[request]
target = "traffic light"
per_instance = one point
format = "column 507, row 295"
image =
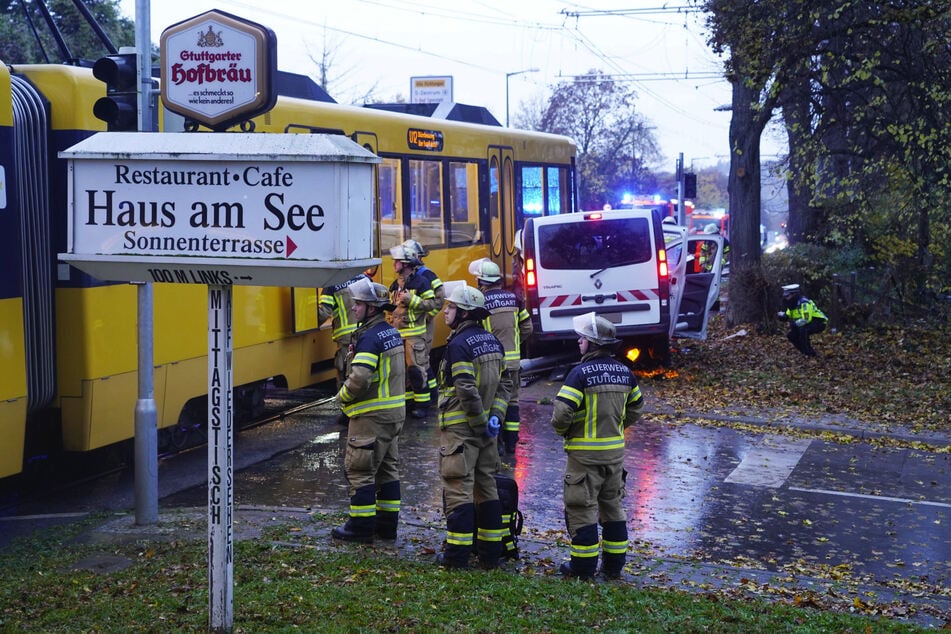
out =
column 690, row 185
column 119, row 108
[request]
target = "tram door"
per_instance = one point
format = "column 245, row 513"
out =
column 502, row 208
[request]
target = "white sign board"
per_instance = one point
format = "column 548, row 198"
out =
column 251, row 209
column 430, row 89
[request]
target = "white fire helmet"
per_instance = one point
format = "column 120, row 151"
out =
column 597, row 330
column 711, row 229
column 416, row 248
column 485, row 271
column 402, row 253
column 369, row 292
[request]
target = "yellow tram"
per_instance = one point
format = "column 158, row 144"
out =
column 68, row 358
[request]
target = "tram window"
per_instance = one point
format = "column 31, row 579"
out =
column 533, row 199
column 463, row 202
column 425, row 195
column 556, row 189
column 391, row 225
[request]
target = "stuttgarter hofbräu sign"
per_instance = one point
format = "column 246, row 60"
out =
column 218, row 69
column 233, row 209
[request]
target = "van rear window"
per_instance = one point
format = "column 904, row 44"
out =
column 594, row 244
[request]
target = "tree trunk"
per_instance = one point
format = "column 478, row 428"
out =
column 802, row 216
column 746, row 298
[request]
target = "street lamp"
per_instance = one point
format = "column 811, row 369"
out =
column 507, row 75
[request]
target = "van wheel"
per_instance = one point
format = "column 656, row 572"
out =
column 658, row 352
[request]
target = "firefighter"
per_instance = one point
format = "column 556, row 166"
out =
column 413, row 297
column 373, row 397
column 472, row 400
column 598, row 401
column 337, row 304
column 440, row 294
column 804, row 318
column 510, row 323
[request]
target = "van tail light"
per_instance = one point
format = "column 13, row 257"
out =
column 530, row 279
column 662, row 269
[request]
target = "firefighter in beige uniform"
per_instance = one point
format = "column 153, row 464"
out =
column 472, row 399
column 510, row 322
column 413, row 297
column 337, row 304
column 440, row 294
column 374, row 398
column 599, row 399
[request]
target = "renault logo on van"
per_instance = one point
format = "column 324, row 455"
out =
column 598, row 284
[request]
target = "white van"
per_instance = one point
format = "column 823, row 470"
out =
column 614, row 263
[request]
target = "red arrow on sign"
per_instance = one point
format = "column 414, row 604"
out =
column 291, row 247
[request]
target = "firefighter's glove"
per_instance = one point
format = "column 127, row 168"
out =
column 781, row 315
column 493, row 427
column 800, row 322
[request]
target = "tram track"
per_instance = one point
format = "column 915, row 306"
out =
column 54, row 477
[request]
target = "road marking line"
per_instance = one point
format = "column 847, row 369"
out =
column 770, row 463
column 883, row 498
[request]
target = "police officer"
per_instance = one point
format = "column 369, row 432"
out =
column 413, row 297
column 510, row 323
column 804, row 318
column 599, row 399
column 436, row 284
column 336, row 303
column 374, row 399
column 472, row 400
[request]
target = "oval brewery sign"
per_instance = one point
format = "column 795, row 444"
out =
column 218, row 69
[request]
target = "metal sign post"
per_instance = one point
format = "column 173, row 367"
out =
column 220, row 461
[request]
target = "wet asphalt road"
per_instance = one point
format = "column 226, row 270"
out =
column 740, row 498
column 711, row 494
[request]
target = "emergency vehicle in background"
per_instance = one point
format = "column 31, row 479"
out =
column 627, row 266
column 701, row 219
column 667, row 208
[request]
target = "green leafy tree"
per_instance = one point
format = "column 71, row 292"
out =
column 613, row 139
column 26, row 37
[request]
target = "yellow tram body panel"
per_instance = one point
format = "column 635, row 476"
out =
column 275, row 330
column 12, row 386
column 98, row 359
column 13, row 401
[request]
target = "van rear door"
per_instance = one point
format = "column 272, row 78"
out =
column 606, row 262
column 701, row 287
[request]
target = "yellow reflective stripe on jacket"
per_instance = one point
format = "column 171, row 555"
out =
column 570, row 394
column 590, row 441
column 413, row 331
column 368, row 359
column 341, row 318
column 452, row 417
column 463, row 367
column 364, row 407
column 383, row 399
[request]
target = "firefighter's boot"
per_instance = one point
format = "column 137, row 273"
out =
column 614, row 545
column 489, row 539
column 388, row 510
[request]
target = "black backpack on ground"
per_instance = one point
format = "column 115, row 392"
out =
column 512, row 519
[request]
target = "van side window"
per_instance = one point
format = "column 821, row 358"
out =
column 595, row 244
